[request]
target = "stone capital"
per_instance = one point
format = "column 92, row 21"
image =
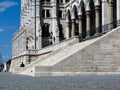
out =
column 97, row 2
column 88, row 13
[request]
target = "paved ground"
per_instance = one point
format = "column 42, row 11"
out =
column 86, row 82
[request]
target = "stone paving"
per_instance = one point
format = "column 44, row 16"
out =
column 83, row 82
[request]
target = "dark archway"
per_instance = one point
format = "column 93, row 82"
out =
column 46, row 40
column 115, row 13
column 45, row 30
column 61, row 35
column 92, row 18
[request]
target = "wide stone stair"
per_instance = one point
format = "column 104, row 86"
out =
column 44, row 54
column 101, row 54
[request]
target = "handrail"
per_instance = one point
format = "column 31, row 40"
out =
column 102, row 30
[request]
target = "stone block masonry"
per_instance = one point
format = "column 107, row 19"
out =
column 97, row 55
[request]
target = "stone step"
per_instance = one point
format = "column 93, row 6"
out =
column 30, row 68
column 101, row 54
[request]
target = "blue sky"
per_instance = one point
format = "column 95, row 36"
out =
column 9, row 23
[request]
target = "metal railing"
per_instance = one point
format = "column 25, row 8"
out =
column 97, row 32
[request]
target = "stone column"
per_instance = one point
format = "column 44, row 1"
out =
column 80, row 26
column 118, row 11
column 67, row 30
column 88, row 24
column 97, row 21
column 55, row 27
column 73, row 28
column 57, row 35
column 104, row 14
column 40, row 39
column 110, row 19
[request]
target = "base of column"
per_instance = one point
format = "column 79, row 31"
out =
column 88, row 35
column 97, row 33
column 80, row 38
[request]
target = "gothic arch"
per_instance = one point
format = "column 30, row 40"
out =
column 74, row 12
column 80, row 8
column 68, row 16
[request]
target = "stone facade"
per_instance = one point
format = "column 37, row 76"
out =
column 50, row 23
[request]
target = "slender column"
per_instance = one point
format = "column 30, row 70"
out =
column 110, row 19
column 80, row 26
column 67, row 30
column 118, row 11
column 97, row 21
column 88, row 24
column 57, row 35
column 73, row 28
column 104, row 14
column 55, row 28
column 40, row 39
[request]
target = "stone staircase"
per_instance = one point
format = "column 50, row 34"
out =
column 100, row 54
column 44, row 54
